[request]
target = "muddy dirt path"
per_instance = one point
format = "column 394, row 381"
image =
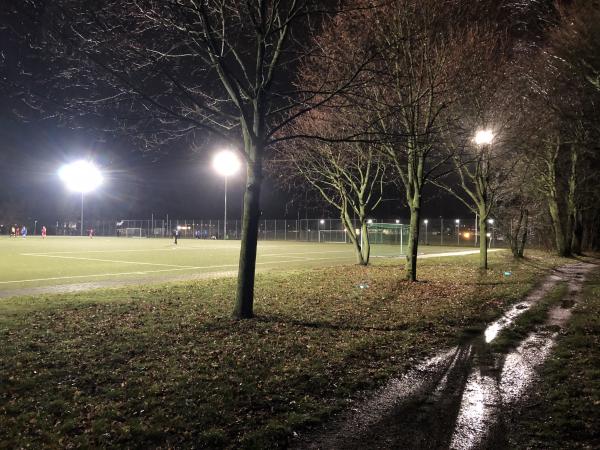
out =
column 458, row 398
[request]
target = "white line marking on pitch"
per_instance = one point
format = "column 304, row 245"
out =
column 112, row 261
column 176, row 248
column 461, row 253
column 158, row 271
column 177, row 268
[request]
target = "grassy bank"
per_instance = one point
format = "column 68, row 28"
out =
column 165, row 366
column 564, row 408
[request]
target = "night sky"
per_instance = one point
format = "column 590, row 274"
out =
column 179, row 182
column 175, row 179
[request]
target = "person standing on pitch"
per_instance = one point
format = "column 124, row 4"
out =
column 43, row 231
column 176, row 235
column 24, row 231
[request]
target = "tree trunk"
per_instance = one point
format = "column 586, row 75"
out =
column 413, row 240
column 559, row 235
column 525, row 231
column 483, row 241
column 244, row 302
column 353, row 239
column 366, row 244
column 577, row 238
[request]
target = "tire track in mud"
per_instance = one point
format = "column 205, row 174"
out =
column 458, row 398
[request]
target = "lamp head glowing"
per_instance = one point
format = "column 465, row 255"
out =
column 80, row 176
column 426, row 221
column 226, row 163
column 484, row 137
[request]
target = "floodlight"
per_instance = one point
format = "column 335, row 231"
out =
column 80, row 176
column 426, row 221
column 226, row 163
column 457, row 221
column 397, row 220
column 484, row 137
column 491, row 221
column 322, row 221
column 488, row 234
column 370, row 221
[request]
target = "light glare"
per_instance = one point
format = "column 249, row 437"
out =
column 226, row 163
column 484, row 137
column 80, row 176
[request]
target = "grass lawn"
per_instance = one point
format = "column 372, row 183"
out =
column 564, row 408
column 165, row 366
column 35, row 262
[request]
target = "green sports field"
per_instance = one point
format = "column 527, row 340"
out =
column 32, row 264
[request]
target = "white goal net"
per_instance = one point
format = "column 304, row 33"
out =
column 133, row 232
column 337, row 236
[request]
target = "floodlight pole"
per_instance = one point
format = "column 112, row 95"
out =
column 81, row 213
column 225, row 212
column 457, row 232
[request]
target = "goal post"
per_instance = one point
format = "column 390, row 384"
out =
column 333, row 236
column 133, row 232
column 388, row 239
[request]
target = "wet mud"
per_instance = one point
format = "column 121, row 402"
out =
column 460, row 398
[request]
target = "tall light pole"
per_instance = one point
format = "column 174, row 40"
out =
column 80, row 176
column 426, row 221
column 491, row 222
column 457, row 221
column 226, row 163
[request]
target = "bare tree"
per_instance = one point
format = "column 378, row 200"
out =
column 216, row 70
column 479, row 137
column 576, row 38
column 422, row 53
column 347, row 175
column 343, row 164
column 562, row 121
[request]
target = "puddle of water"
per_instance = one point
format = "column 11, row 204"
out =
column 520, row 365
column 477, row 411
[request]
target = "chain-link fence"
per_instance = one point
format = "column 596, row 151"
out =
column 440, row 231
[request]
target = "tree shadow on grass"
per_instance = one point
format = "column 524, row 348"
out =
column 324, row 324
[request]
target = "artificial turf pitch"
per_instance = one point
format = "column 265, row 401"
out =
column 34, row 262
